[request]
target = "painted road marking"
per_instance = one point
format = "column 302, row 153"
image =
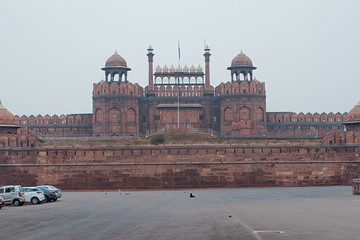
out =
column 268, row 231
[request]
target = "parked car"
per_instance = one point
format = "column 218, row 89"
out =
column 13, row 194
column 33, row 195
column 52, row 188
column 49, row 194
column 2, row 202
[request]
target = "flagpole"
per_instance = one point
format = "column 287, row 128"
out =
column 178, row 102
column 178, row 78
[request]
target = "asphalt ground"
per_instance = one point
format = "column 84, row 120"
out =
column 259, row 213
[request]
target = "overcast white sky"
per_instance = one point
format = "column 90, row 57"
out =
column 307, row 52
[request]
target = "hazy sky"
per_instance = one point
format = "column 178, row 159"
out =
column 307, row 52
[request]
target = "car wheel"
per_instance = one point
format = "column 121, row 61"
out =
column 22, row 203
column 16, row 203
column 54, row 199
column 47, row 199
column 35, row 200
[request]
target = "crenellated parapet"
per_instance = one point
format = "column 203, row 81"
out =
column 342, row 138
column 70, row 119
column 301, row 124
column 291, row 117
column 104, row 88
column 69, row 125
column 253, row 87
column 183, row 82
column 182, row 91
column 188, row 75
column 18, row 141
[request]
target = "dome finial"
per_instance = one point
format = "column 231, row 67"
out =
column 241, row 60
column 150, row 49
column 241, row 51
column 116, row 61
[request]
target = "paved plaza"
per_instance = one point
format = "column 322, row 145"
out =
column 328, row 213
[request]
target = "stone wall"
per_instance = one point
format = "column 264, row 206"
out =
column 179, row 166
column 71, row 125
column 314, row 125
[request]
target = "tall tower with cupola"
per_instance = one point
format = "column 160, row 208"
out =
column 242, row 101
column 116, row 101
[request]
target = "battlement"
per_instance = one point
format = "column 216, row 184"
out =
column 291, row 117
column 117, row 88
column 240, row 87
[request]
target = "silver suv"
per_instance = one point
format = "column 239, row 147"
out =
column 13, row 194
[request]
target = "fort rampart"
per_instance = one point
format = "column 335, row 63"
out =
column 181, row 166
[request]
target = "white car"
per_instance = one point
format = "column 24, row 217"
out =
column 33, row 195
column 13, row 194
column 52, row 188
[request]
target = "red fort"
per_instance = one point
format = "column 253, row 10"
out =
column 181, row 96
column 259, row 148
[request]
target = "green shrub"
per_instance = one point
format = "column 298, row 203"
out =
column 157, row 139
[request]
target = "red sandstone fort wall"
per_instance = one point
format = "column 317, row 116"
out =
column 181, row 166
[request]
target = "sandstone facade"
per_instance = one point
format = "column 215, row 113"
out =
column 180, row 97
column 183, row 166
column 294, row 149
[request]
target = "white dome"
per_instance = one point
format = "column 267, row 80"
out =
column 158, row 69
column 186, row 69
column 172, row 69
column 179, row 69
column 165, row 69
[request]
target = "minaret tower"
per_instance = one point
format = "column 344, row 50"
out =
column 207, row 69
column 151, row 71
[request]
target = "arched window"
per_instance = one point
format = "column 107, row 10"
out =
column 114, row 115
column 242, row 76
column 244, row 113
column 98, row 116
column 116, row 77
column 108, row 77
column 228, row 114
column 260, row 114
column 131, row 115
column 234, row 76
